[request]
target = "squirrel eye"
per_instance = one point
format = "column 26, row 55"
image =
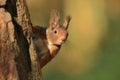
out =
column 55, row 31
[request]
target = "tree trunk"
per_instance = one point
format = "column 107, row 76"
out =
column 18, row 60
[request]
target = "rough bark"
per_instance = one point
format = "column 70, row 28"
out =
column 18, row 60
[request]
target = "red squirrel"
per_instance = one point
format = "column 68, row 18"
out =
column 47, row 41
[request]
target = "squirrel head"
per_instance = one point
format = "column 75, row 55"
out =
column 57, row 34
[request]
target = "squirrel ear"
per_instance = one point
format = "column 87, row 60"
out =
column 67, row 21
column 54, row 19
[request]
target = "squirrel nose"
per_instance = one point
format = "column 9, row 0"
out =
column 64, row 38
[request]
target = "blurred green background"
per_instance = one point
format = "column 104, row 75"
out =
column 92, row 51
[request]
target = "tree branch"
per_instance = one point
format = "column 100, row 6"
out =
column 18, row 60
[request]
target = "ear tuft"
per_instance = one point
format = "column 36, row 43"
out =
column 54, row 18
column 67, row 21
